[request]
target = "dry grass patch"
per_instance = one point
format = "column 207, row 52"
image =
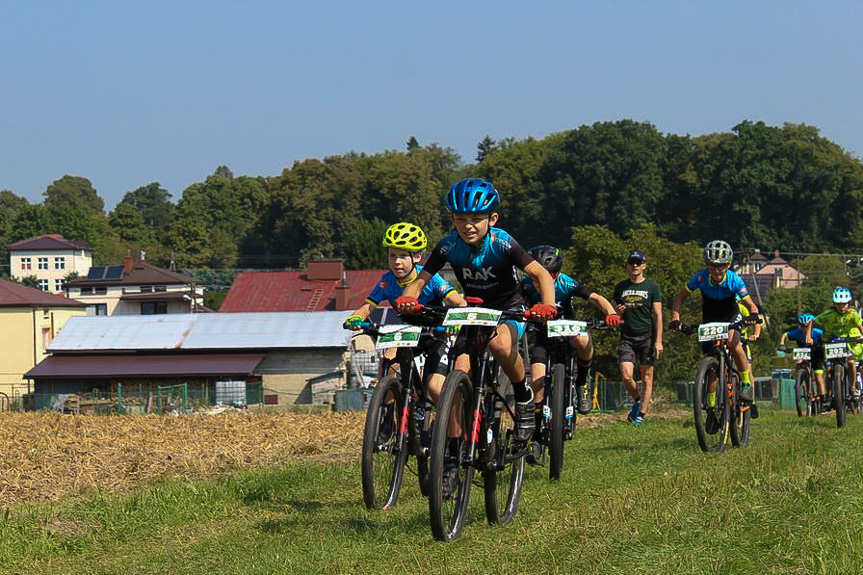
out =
column 45, row 456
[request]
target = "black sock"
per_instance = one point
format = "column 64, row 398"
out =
column 522, row 393
column 583, row 368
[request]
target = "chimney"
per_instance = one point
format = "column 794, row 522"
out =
column 343, row 295
column 324, row 270
column 127, row 263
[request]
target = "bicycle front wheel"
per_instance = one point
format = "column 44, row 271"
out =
column 384, row 447
column 449, row 475
column 741, row 416
column 710, row 409
column 839, row 376
column 503, row 473
column 802, row 393
column 558, row 417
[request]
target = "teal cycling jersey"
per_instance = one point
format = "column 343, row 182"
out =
column 565, row 288
column 388, row 288
column 718, row 300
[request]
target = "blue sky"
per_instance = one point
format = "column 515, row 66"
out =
column 129, row 93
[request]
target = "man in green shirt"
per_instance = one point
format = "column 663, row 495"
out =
column 639, row 301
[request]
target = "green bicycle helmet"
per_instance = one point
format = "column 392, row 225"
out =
column 405, row 236
column 717, row 252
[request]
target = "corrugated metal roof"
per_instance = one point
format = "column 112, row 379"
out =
column 203, row 331
column 79, row 366
column 293, row 291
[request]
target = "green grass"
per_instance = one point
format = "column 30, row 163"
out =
column 629, row 501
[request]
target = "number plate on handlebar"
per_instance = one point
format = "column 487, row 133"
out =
column 398, row 336
column 472, row 316
column 566, row 328
column 802, row 354
column 713, row 331
column 835, row 350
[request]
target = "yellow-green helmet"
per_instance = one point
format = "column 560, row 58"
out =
column 405, row 236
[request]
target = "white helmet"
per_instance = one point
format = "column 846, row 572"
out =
column 842, row 295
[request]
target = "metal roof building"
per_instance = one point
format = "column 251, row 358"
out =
column 211, row 331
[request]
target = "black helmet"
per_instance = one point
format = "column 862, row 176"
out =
column 549, row 257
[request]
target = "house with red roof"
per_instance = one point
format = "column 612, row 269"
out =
column 29, row 320
column 323, row 286
column 50, row 258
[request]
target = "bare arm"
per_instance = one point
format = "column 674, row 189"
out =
column 601, row 303
column 678, row 303
column 413, row 291
column 455, row 299
column 542, row 280
column 657, row 326
column 365, row 310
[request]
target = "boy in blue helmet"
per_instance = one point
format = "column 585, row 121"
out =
column 485, row 259
column 841, row 320
column 816, row 358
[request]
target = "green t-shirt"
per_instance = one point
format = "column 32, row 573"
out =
column 638, row 299
column 839, row 324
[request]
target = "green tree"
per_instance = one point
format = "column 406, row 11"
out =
column 73, row 192
column 484, row 148
column 412, row 144
column 360, row 253
column 154, row 204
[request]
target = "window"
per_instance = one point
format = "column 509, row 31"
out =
column 154, row 307
column 43, row 285
column 26, row 264
column 97, row 309
column 99, row 290
column 43, row 263
column 58, row 285
column 151, row 289
column 59, row 263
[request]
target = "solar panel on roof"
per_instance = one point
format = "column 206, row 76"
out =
column 114, row 273
column 96, row 273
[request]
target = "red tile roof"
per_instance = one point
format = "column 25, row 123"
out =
column 293, row 291
column 48, row 242
column 18, row 295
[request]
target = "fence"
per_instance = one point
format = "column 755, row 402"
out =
column 139, row 399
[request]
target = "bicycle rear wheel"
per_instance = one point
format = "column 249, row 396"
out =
column 558, row 417
column 383, row 460
column 711, row 421
column 503, row 474
column 803, row 393
column 741, row 416
column 839, row 377
column 449, row 475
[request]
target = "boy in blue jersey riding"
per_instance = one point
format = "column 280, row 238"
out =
column 719, row 288
column 485, row 260
column 565, row 288
column 816, row 358
column 405, row 245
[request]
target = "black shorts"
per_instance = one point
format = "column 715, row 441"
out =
column 707, row 346
column 640, row 347
column 539, row 351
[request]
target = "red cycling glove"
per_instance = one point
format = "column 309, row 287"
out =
column 612, row 319
column 543, row 311
column 406, row 304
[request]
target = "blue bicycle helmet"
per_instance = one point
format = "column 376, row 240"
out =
column 805, row 318
column 842, row 295
column 472, row 196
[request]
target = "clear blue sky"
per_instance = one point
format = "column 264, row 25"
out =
column 128, row 93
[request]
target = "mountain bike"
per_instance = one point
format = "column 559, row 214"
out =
column 558, row 403
column 838, row 375
column 475, row 430
column 726, row 417
column 805, row 395
column 400, row 414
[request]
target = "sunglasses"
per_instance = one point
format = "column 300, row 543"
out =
column 635, row 263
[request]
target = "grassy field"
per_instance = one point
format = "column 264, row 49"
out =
column 630, row 501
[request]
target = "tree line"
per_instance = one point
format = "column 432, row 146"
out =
column 785, row 188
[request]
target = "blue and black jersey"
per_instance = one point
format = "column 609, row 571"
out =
column 565, row 288
column 799, row 335
column 389, row 288
column 718, row 300
column 487, row 271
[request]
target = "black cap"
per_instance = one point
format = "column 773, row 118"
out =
column 636, row 255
